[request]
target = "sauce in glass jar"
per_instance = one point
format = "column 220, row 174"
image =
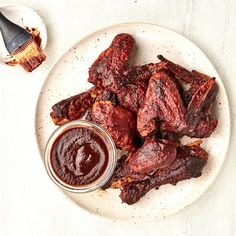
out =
column 79, row 156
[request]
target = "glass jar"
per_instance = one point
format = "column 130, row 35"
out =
column 110, row 167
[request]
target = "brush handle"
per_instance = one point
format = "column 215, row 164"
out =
column 13, row 35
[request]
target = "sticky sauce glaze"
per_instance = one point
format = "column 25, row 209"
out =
column 35, row 34
column 79, row 156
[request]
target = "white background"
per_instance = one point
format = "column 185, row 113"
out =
column 30, row 204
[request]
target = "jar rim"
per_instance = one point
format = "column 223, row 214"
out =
column 112, row 156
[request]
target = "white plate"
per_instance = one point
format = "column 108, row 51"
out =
column 69, row 77
column 24, row 17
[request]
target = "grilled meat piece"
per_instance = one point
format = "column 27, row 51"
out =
column 188, row 164
column 111, row 62
column 199, row 115
column 153, row 155
column 162, row 103
column 74, row 107
column 179, row 71
column 119, row 123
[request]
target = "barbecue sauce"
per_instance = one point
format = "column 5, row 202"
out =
column 79, row 156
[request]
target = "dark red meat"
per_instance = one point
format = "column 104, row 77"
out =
column 153, row 155
column 132, row 96
column 119, row 123
column 179, row 71
column 199, row 108
column 162, row 103
column 74, row 107
column 188, row 164
column 105, row 70
column 146, row 109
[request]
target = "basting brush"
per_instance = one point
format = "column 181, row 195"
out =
column 20, row 45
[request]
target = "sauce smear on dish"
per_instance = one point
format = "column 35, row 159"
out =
column 79, row 156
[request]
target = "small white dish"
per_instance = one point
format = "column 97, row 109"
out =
column 24, row 17
column 69, row 76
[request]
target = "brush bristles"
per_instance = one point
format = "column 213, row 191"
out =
column 29, row 55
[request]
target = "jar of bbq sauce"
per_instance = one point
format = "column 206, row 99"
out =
column 80, row 156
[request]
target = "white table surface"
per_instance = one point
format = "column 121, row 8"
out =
column 30, row 204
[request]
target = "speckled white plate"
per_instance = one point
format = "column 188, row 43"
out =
column 68, row 77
